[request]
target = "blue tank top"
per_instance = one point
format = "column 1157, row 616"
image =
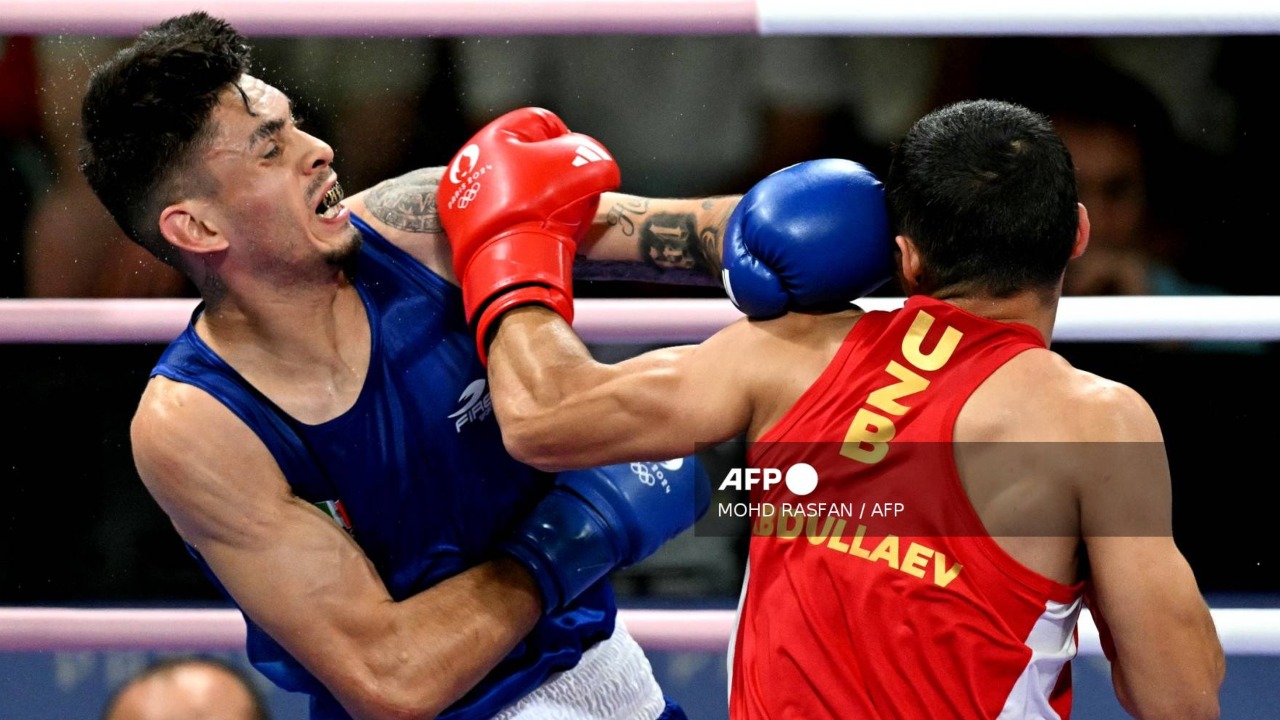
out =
column 415, row 470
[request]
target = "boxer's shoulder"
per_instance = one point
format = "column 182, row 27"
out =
column 403, row 210
column 780, row 358
column 795, row 330
column 190, row 448
column 1068, row 405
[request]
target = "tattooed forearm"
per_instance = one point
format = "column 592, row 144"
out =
column 621, row 214
column 689, row 241
column 670, row 240
column 678, row 243
column 715, row 214
column 408, row 202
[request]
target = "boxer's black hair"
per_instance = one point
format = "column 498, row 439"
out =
column 145, row 115
column 987, row 192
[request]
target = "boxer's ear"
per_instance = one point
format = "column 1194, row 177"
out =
column 189, row 227
column 910, row 265
column 1082, row 232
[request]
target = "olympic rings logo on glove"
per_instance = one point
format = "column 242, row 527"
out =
column 465, row 199
column 643, row 473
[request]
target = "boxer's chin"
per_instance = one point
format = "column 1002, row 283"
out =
column 344, row 256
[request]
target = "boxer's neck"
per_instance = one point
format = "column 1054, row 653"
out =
column 1038, row 309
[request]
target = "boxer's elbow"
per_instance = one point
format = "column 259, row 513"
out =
column 1184, row 700
column 1198, row 708
column 557, row 426
column 532, row 432
column 526, row 444
column 383, row 675
column 378, row 694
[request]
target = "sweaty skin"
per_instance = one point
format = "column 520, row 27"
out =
column 558, row 408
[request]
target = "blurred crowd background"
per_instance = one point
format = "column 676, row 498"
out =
column 1172, row 140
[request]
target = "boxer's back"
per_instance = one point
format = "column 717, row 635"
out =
column 877, row 596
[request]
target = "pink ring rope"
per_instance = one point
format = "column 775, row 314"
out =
column 1243, row 631
column 405, row 18
column 1111, row 319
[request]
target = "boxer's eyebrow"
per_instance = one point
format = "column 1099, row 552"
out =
column 265, row 130
column 269, row 128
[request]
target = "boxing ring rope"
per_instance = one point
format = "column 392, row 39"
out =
column 1097, row 319
column 1116, row 319
column 1110, row 319
column 1243, row 631
column 402, row 18
column 1119, row 319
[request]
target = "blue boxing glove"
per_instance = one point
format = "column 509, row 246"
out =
column 810, row 236
column 598, row 520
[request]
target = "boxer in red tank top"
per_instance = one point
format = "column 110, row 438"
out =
column 878, row 597
column 1020, row 485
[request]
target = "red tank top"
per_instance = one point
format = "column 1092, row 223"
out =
column 884, row 598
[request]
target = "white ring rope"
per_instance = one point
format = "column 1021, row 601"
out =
column 1108, row 319
column 402, row 18
column 1242, row 631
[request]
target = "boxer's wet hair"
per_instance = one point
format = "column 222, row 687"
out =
column 146, row 115
column 987, row 192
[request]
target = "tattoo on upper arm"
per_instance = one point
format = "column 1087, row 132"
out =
column 408, row 202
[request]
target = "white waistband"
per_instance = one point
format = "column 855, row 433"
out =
column 613, row 681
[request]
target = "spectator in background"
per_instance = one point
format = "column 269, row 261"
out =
column 187, row 689
column 1124, row 149
column 72, row 246
column 683, row 115
column 1131, row 164
column 1132, row 176
column 21, row 166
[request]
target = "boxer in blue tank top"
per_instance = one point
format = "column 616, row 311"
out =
column 321, row 434
column 383, row 468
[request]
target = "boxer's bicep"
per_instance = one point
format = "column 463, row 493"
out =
column 1168, row 661
column 290, row 567
column 676, row 241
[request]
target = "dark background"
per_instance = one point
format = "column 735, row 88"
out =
column 76, row 525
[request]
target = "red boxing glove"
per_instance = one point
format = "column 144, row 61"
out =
column 514, row 202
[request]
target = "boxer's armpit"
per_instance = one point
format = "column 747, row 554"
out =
column 408, row 202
